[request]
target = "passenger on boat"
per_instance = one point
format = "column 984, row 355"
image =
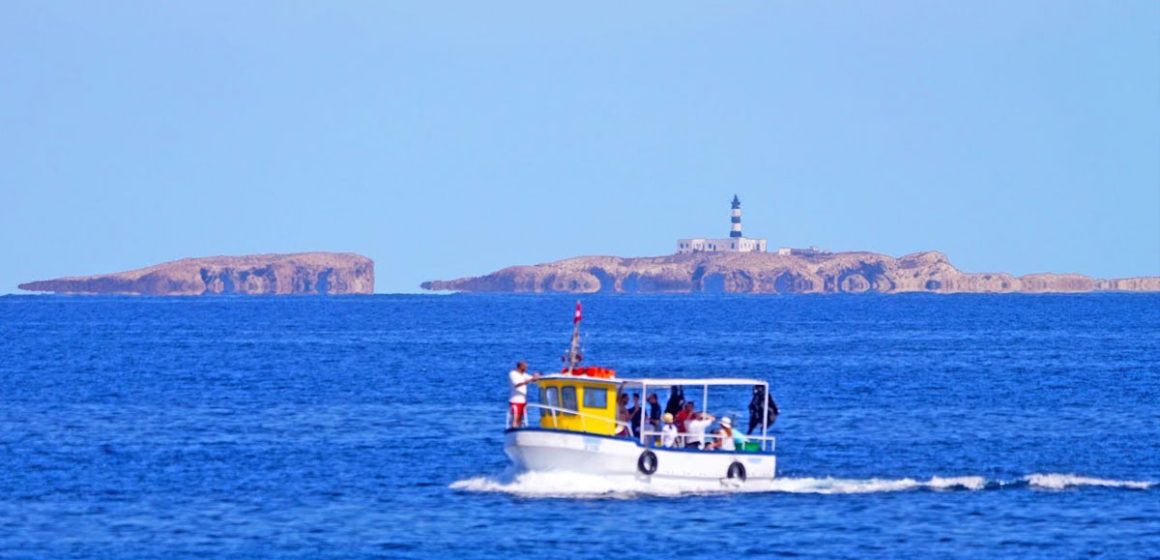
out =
column 684, row 415
column 739, row 439
column 518, row 401
column 635, row 412
column 669, row 437
column 623, row 417
column 757, row 410
column 695, row 429
column 724, row 437
column 676, row 400
column 654, row 412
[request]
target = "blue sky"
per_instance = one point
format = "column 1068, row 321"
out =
column 452, row 139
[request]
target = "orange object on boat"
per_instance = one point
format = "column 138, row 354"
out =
column 593, row 371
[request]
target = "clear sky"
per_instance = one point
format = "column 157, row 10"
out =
column 452, row 139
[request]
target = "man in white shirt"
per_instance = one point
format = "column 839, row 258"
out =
column 695, row 429
column 518, row 401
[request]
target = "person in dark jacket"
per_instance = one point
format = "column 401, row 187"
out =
column 756, row 409
column 635, row 413
column 676, row 400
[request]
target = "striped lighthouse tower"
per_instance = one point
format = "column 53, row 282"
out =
column 735, row 230
column 735, row 243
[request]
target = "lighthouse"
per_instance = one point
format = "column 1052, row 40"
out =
column 735, row 229
column 735, row 243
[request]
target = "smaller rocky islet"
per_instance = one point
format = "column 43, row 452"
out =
column 318, row 273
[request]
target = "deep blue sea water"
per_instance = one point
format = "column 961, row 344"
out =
column 912, row 426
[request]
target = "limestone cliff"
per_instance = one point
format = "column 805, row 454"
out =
column 298, row 273
column 771, row 273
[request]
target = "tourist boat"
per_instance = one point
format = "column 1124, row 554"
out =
column 575, row 428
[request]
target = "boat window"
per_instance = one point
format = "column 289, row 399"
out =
column 549, row 396
column 595, row 398
column 568, row 398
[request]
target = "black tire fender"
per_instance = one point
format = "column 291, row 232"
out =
column 736, row 470
column 647, row 463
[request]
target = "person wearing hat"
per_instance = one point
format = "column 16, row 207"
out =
column 724, row 436
column 669, row 432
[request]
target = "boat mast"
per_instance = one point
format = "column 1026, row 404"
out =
column 574, row 351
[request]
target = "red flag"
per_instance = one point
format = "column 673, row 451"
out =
column 576, row 320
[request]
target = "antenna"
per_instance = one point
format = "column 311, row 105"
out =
column 574, row 352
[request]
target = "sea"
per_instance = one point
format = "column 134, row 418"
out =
column 911, row 426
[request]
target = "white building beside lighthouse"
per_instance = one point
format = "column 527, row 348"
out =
column 735, row 243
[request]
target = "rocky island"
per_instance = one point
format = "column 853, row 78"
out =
column 740, row 264
column 772, row 273
column 282, row 274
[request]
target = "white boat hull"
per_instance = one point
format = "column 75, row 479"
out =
column 551, row 450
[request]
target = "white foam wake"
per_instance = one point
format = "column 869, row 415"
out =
column 831, row 485
column 575, row 485
column 1062, row 481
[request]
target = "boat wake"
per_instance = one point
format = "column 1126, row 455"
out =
column 574, row 485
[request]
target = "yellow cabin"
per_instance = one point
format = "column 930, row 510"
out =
column 579, row 404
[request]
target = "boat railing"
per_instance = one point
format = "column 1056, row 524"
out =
column 765, row 443
column 555, row 412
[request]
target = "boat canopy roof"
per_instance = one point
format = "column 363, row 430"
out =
column 660, row 381
column 670, row 381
